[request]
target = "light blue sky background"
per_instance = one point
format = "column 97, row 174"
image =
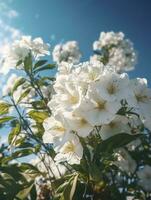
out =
column 82, row 20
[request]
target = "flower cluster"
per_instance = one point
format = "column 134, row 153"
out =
column 91, row 95
column 113, row 49
column 20, row 49
column 68, row 52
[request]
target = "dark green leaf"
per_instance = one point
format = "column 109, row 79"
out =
column 116, row 141
column 40, row 63
column 28, row 63
column 46, row 67
column 24, row 94
column 18, row 83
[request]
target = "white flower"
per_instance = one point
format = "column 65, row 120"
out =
column 96, row 110
column 118, row 125
column 65, row 68
column 39, row 48
column 68, row 95
column 89, row 71
column 77, row 123
column 143, row 97
column 70, row 151
column 68, row 52
column 54, row 131
column 124, row 161
column 145, row 178
column 17, row 52
column 113, row 86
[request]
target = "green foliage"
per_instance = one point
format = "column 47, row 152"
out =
column 24, row 94
column 18, row 83
column 4, row 108
column 38, row 116
column 14, row 133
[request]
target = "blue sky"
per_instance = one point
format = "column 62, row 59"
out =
column 82, row 20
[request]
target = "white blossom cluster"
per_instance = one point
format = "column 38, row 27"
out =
column 68, row 52
column 115, row 50
column 87, row 96
column 20, row 49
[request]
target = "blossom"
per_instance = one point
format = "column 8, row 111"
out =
column 78, row 124
column 71, row 150
column 89, row 71
column 113, row 49
column 145, row 177
column 118, row 125
column 108, row 38
column 54, row 131
column 68, row 52
column 96, row 110
column 68, row 95
column 124, row 161
column 112, row 86
column 143, row 97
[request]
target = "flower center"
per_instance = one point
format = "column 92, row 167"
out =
column 69, row 147
column 101, row 105
column 83, row 122
column 73, row 99
column 111, row 89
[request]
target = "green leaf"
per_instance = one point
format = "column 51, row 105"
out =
column 38, row 116
column 6, row 119
column 28, row 63
column 14, row 132
column 19, row 63
column 24, row 94
column 116, row 141
column 38, row 104
column 46, row 67
column 40, row 63
column 22, row 153
column 4, row 108
column 18, row 83
column 25, row 192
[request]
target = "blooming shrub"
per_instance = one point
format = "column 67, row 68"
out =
column 85, row 130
